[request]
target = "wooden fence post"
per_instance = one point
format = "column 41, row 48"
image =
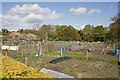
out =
column 6, row 52
column 119, row 58
column 61, row 53
column 25, row 61
column 87, row 55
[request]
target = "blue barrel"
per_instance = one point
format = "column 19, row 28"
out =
column 114, row 52
column 63, row 50
column 117, row 51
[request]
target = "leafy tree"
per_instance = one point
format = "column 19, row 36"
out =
column 88, row 33
column 20, row 31
column 67, row 33
column 99, row 33
column 0, row 32
column 115, row 30
column 108, row 35
column 5, row 32
column 80, row 33
column 46, row 32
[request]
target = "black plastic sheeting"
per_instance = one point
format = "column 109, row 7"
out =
column 57, row 60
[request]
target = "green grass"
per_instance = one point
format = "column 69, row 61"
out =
column 93, row 57
column 80, row 56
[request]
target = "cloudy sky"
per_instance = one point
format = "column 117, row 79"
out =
column 18, row 15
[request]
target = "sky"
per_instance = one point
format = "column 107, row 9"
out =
column 18, row 15
column 59, row 0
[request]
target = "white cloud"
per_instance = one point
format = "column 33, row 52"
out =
column 54, row 14
column 28, row 13
column 83, row 10
column 79, row 26
column 78, row 11
column 10, row 20
column 94, row 11
column 31, row 18
column 1, row 23
column 34, row 18
column 1, row 20
column 28, row 9
column 82, row 27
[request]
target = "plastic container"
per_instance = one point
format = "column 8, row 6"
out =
column 117, row 51
column 63, row 50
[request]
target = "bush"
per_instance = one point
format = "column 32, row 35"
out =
column 16, row 69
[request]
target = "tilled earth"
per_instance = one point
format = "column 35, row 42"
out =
column 81, row 69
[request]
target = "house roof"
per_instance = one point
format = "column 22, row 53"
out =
column 1, row 36
column 14, row 33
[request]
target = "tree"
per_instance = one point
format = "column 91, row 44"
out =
column 108, row 35
column 115, row 30
column 80, row 33
column 5, row 32
column 88, row 33
column 67, row 33
column 46, row 32
column 21, row 31
column 99, row 33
